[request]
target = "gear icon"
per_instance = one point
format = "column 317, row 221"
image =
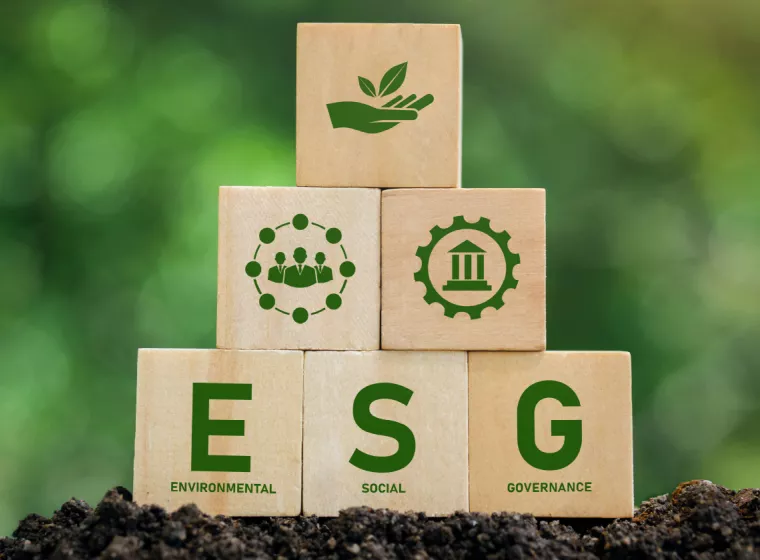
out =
column 432, row 295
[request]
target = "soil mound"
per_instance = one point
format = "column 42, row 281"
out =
column 698, row 520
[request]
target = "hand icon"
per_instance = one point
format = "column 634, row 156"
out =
column 369, row 119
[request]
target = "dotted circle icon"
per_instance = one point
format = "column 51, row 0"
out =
column 304, row 275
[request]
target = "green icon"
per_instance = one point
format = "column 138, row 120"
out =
column 324, row 273
column 302, row 271
column 371, row 119
column 300, row 275
column 571, row 430
column 465, row 251
column 462, row 273
column 372, row 424
column 203, row 427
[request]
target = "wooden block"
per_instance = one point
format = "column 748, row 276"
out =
column 379, row 105
column 464, row 269
column 550, row 433
column 268, row 299
column 221, row 429
column 385, row 429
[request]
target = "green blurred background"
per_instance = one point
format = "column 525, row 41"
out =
column 118, row 120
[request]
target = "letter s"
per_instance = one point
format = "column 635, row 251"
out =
column 526, row 426
column 381, row 427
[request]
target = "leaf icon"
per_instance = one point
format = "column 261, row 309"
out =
column 393, row 79
column 367, row 87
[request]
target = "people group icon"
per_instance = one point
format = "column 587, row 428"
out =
column 300, row 275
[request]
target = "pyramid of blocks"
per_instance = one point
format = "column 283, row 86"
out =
column 381, row 331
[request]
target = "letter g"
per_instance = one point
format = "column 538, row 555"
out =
column 526, row 426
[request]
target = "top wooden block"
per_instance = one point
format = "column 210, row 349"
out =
column 378, row 105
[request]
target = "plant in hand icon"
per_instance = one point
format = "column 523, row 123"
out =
column 370, row 119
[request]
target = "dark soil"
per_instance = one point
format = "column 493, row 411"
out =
column 698, row 520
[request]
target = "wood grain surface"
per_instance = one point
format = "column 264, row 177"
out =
column 425, row 152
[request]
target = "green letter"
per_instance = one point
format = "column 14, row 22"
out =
column 526, row 426
column 203, row 427
column 378, row 426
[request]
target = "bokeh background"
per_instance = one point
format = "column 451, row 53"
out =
column 118, row 120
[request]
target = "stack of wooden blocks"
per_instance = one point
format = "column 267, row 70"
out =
column 383, row 347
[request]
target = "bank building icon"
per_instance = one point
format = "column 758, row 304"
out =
column 461, row 269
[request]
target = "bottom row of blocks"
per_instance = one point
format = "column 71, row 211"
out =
column 280, row 432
